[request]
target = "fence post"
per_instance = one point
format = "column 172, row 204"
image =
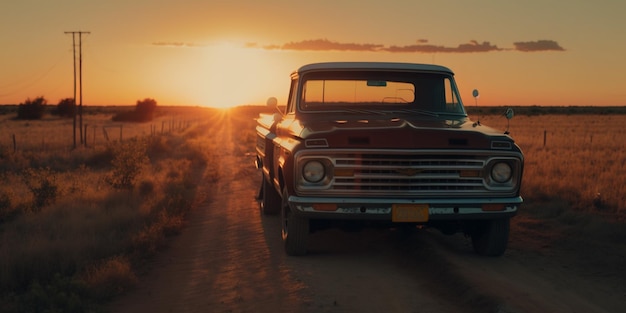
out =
column 85, row 143
column 14, row 144
column 104, row 132
column 544, row 137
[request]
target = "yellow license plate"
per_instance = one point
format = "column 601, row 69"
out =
column 408, row 212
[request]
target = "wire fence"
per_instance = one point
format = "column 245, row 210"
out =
column 39, row 137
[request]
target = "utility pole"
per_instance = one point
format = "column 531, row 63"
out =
column 80, row 71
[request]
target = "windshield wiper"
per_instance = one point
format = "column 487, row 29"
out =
column 360, row 111
column 416, row 111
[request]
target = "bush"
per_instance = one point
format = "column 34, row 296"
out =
column 110, row 277
column 42, row 183
column 145, row 109
column 32, row 109
column 66, row 108
column 144, row 112
column 128, row 161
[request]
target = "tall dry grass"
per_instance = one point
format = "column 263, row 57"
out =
column 75, row 225
column 583, row 160
column 574, row 187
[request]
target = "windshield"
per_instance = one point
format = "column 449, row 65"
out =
column 380, row 91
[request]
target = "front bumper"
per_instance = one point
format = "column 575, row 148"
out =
column 381, row 209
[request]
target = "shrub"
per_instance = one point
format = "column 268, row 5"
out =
column 110, row 277
column 66, row 108
column 42, row 184
column 144, row 112
column 32, row 109
column 128, row 161
column 145, row 109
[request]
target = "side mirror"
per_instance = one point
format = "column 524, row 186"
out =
column 272, row 102
column 475, row 94
column 509, row 113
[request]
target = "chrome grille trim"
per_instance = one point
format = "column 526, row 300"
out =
column 407, row 173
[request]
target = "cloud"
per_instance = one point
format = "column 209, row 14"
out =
column 176, row 44
column 472, row 46
column 421, row 46
column 272, row 47
column 327, row 45
column 540, row 45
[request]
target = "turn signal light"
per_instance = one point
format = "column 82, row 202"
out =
column 325, row 207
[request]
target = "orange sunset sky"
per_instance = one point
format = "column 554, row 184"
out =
column 225, row 53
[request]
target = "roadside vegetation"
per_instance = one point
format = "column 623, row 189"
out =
column 574, row 183
column 77, row 225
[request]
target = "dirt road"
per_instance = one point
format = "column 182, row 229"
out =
column 230, row 259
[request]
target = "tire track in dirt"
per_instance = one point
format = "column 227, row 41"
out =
column 524, row 280
column 230, row 258
column 221, row 262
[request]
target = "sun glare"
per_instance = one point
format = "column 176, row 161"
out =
column 234, row 76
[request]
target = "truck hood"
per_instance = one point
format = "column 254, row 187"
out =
column 398, row 133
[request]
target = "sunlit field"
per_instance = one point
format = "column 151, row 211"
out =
column 576, row 158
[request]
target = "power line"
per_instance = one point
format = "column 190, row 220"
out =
column 80, row 75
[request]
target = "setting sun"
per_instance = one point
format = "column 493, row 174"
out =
column 235, row 76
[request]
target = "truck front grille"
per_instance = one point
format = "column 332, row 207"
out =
column 401, row 173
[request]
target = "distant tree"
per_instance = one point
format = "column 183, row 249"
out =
column 144, row 112
column 66, row 108
column 32, row 109
column 145, row 109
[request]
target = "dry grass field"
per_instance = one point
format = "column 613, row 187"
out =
column 77, row 224
column 574, row 188
column 578, row 159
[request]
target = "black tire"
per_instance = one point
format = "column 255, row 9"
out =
column 270, row 200
column 295, row 229
column 490, row 238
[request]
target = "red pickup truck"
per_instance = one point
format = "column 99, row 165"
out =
column 368, row 143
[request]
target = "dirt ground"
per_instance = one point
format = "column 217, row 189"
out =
column 229, row 258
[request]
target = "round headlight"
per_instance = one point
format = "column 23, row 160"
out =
column 501, row 172
column 313, row 171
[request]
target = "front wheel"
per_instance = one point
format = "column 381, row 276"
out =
column 295, row 229
column 490, row 237
column 269, row 201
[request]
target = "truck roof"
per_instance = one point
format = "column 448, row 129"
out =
column 373, row 66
